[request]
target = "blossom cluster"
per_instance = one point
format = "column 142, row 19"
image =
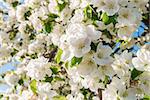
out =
column 64, row 50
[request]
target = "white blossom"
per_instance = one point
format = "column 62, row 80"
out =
column 122, row 64
column 142, row 61
column 78, row 16
column 74, row 49
column 11, row 79
column 102, row 55
column 38, row 68
column 87, row 66
column 109, row 6
column 20, row 12
column 44, row 87
column 74, row 4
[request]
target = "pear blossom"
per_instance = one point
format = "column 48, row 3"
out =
column 126, row 17
column 79, row 45
column 101, row 25
column 144, row 85
column 125, row 32
column 111, row 7
column 102, row 55
column 74, row 50
column 44, row 87
column 142, row 61
column 56, row 34
column 11, row 79
column 38, row 68
column 74, row 4
column 86, row 66
column 78, row 16
column 93, row 33
column 108, row 6
column 122, row 64
column 20, row 12
column 67, row 54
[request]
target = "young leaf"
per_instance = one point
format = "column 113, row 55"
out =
column 90, row 13
column 12, row 35
column 55, row 79
column 58, row 56
column 48, row 79
column 48, row 26
column 15, row 51
column 60, row 7
column 15, row 4
column 52, row 17
column 94, row 46
column 49, row 22
column 75, row 61
column 1, row 96
column 59, row 98
column 106, row 80
column 55, row 69
column 33, row 86
column 135, row 73
column 104, row 17
column 20, row 82
column 27, row 14
column 146, row 97
column 33, row 56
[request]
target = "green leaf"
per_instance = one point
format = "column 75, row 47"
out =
column 32, row 36
column 146, row 97
column 55, row 79
column 15, row 51
column 27, row 14
column 135, row 73
column 118, row 98
column 48, row 79
column 94, row 46
column 107, row 33
column 33, row 86
column 60, row 7
column 66, row 64
column 12, row 35
column 33, row 56
column 52, row 17
column 55, row 69
column 20, row 82
column 106, row 80
column 59, row 98
column 1, row 96
column 109, row 19
column 58, row 56
column 112, row 19
column 48, row 26
column 88, row 95
column 75, row 61
column 49, row 22
column 14, row 4
column 84, row 91
column 90, row 13
column 146, row 16
column 105, row 17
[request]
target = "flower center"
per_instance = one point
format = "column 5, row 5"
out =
column 126, row 15
column 81, row 46
column 100, row 55
column 111, row 6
